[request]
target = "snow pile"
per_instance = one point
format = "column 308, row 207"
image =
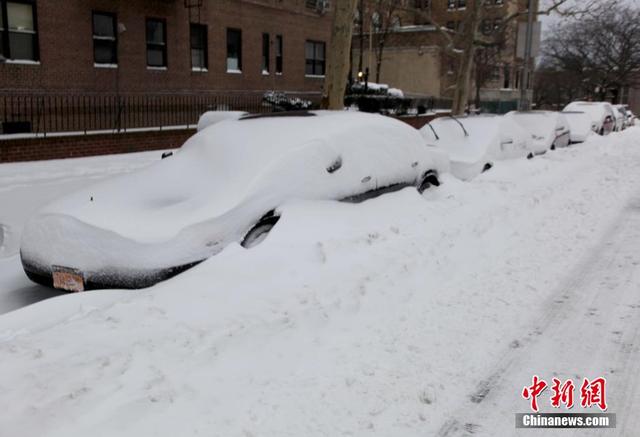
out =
column 380, row 318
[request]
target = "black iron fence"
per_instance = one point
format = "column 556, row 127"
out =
column 81, row 113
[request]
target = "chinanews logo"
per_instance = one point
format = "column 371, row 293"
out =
column 561, row 395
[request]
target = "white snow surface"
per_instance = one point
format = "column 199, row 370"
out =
column 224, row 178
column 378, row 318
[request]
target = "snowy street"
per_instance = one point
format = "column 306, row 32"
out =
column 405, row 315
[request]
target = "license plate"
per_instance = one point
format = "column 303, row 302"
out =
column 68, row 279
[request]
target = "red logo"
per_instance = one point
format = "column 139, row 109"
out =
column 592, row 393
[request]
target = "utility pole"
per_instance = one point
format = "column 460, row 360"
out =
column 525, row 104
column 361, row 21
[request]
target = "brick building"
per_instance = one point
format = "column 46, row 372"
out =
column 414, row 57
column 162, row 45
column 86, row 77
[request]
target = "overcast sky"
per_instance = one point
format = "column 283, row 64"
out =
column 548, row 20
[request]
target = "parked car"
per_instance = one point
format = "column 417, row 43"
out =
column 474, row 143
column 549, row 130
column 226, row 184
column 620, row 118
column 580, row 126
column 601, row 114
column 626, row 115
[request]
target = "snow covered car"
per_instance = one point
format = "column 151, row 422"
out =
column 626, row 115
column 548, row 130
column 580, row 126
column 620, row 119
column 601, row 114
column 210, row 118
column 474, row 143
column 225, row 185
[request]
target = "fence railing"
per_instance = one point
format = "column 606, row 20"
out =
column 59, row 113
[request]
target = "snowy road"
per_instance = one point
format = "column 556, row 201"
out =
column 405, row 315
column 590, row 328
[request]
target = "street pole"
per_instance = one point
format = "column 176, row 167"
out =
column 525, row 104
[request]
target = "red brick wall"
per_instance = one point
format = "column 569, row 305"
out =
column 66, row 46
column 34, row 149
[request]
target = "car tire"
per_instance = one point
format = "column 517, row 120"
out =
column 428, row 180
column 260, row 230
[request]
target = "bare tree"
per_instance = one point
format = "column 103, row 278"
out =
column 385, row 11
column 599, row 55
column 463, row 43
column 335, row 81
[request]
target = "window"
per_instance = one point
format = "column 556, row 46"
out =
column 314, row 54
column 199, row 56
column 265, row 53
column 507, row 76
column 234, row 50
column 18, row 35
column 105, row 40
column 279, row 54
column 451, row 4
column 462, row 4
column 156, row 43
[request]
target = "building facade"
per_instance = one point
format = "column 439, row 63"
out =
column 415, row 58
column 163, row 45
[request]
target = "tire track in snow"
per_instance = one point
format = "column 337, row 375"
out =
column 571, row 327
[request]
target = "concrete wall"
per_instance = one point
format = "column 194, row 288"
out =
column 415, row 70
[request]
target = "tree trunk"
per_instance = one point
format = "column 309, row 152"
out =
column 379, row 59
column 463, row 81
column 465, row 67
column 335, row 80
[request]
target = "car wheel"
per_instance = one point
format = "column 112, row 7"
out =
column 260, row 230
column 488, row 166
column 429, row 179
column 530, row 155
column 601, row 131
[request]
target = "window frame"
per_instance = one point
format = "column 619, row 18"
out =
column 156, row 45
column 5, row 43
column 205, row 48
column 95, row 37
column 314, row 61
column 231, row 30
